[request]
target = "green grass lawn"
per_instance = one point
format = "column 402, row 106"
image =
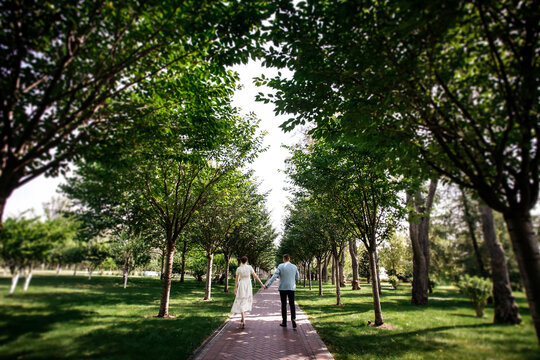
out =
column 445, row 329
column 73, row 317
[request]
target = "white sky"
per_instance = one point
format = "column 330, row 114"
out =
column 267, row 167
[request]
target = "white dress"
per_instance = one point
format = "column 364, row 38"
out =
column 244, row 292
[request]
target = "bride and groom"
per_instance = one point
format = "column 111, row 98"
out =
column 288, row 275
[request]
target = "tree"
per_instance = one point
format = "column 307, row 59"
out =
column 183, row 137
column 455, row 79
column 419, row 216
column 64, row 62
column 215, row 222
column 354, row 180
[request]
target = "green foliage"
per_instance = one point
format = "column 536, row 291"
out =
column 394, row 280
column 478, row 290
column 79, row 56
column 395, row 255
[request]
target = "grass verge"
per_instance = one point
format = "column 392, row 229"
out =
column 445, row 329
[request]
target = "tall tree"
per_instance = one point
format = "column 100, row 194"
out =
column 457, row 79
column 62, row 63
column 355, row 182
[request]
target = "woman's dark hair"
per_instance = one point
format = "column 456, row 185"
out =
column 286, row 257
column 243, row 259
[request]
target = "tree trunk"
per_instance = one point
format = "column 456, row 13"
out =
column 341, row 264
column 28, row 277
column 325, row 268
column 471, row 224
column 227, row 263
column 335, row 253
column 183, row 269
column 164, row 255
column 167, row 278
column 419, row 235
column 58, row 267
column 334, row 272
column 208, row 288
column 319, row 270
column 304, row 273
column 14, row 280
column 309, row 274
column 375, row 287
column 125, row 271
column 90, row 271
column 527, row 254
column 353, row 250
column 378, row 273
column 505, row 308
column 75, row 270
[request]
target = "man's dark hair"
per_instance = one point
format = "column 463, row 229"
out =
column 243, row 259
column 286, row 257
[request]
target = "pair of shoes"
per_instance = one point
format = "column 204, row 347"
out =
column 293, row 324
column 283, row 325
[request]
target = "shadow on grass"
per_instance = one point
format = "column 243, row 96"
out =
column 73, row 317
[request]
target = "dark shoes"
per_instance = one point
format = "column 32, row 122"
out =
column 293, row 324
column 283, row 325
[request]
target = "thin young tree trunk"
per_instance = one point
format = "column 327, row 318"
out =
column 208, row 288
column 325, row 267
column 167, row 278
column 28, row 277
column 378, row 273
column 471, row 224
column 227, row 263
column 58, row 267
column 164, row 254
column 341, row 258
column 125, row 271
column 319, row 270
column 338, row 282
column 90, row 271
column 183, row 269
column 304, row 273
column 309, row 274
column 14, row 280
column 375, row 287
column 505, row 308
column 75, row 270
column 334, row 272
column 353, row 250
column 527, row 254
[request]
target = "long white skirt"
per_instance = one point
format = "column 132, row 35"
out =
column 244, row 296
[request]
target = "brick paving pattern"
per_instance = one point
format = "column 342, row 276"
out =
column 263, row 338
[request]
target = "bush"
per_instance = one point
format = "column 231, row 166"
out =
column 394, row 281
column 478, row 290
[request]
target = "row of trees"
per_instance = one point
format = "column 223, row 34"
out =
column 404, row 92
column 137, row 97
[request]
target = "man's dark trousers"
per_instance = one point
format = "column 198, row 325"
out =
column 284, row 294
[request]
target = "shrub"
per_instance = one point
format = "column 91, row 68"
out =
column 394, row 281
column 478, row 290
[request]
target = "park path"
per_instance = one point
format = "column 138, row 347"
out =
column 263, row 338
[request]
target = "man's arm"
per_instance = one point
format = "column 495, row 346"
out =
column 297, row 276
column 274, row 277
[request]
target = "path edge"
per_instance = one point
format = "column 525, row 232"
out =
column 206, row 344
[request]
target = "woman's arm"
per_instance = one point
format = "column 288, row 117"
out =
column 236, row 284
column 256, row 277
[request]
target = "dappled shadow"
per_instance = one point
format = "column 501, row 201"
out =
column 73, row 317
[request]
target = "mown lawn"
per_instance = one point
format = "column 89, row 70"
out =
column 73, row 317
column 445, row 329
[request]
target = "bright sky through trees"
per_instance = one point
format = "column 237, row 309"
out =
column 267, row 167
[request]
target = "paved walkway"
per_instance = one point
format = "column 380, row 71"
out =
column 263, row 338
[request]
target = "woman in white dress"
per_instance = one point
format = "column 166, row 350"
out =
column 243, row 290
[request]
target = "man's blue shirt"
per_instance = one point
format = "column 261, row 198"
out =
column 288, row 275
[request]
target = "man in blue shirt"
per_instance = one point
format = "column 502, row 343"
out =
column 288, row 275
